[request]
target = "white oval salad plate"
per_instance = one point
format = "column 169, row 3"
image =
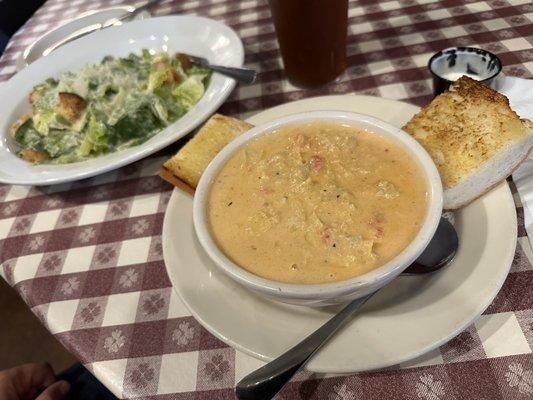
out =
column 187, row 34
column 388, row 330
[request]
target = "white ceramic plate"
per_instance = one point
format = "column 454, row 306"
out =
column 388, row 329
column 189, row 34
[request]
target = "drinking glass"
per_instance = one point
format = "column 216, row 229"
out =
column 312, row 38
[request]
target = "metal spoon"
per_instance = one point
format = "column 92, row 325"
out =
column 265, row 382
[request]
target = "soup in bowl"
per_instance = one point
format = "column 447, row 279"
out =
column 318, row 208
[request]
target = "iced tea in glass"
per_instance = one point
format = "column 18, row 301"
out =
column 312, row 38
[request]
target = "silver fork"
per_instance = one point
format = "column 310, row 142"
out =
column 243, row 75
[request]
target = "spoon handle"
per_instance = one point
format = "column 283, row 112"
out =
column 266, row 381
column 240, row 74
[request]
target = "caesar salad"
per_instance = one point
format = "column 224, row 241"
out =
column 107, row 107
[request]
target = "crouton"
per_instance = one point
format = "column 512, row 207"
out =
column 184, row 61
column 34, row 95
column 71, row 106
column 171, row 75
column 17, row 124
column 33, row 156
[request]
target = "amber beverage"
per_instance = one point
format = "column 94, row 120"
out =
column 312, row 38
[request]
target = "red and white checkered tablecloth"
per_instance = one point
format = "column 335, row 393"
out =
column 86, row 257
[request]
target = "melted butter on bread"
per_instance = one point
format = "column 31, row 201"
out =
column 189, row 163
column 474, row 137
column 465, row 127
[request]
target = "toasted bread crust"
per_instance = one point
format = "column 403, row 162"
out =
column 464, row 127
column 472, row 89
column 462, row 204
column 168, row 176
column 192, row 159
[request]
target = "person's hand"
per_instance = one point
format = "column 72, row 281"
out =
column 31, row 382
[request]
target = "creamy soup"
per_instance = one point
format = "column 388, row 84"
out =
column 316, row 203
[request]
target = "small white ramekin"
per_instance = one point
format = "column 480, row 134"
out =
column 328, row 293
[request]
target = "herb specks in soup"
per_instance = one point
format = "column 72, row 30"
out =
column 317, row 203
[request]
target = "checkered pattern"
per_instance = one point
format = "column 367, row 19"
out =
column 86, row 256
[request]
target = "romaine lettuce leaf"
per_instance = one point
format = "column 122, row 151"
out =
column 27, row 137
column 141, row 123
column 189, row 92
column 96, row 140
column 157, row 78
column 198, row 70
column 67, row 158
column 159, row 109
column 41, row 121
column 61, row 142
column 173, row 108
